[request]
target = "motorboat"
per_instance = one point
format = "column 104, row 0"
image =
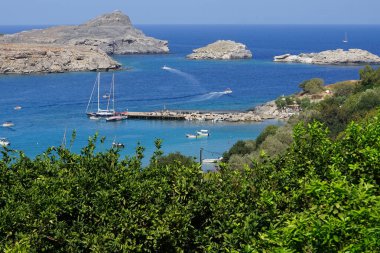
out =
column 203, row 132
column 94, row 117
column 106, row 96
column 116, row 118
column 211, row 160
column 117, row 145
column 17, row 107
column 227, row 91
column 165, row 67
column 4, row 142
column 8, row 124
column 191, row 136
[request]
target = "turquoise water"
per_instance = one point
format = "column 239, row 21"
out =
column 52, row 103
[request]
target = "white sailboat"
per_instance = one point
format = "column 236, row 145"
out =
column 110, row 110
column 345, row 40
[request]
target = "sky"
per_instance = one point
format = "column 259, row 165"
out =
column 49, row 12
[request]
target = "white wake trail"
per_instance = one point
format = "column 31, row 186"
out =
column 189, row 77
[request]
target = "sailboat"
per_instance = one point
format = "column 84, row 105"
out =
column 345, row 40
column 109, row 111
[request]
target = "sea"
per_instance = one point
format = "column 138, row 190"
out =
column 54, row 105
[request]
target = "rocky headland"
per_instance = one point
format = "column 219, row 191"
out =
column 221, row 50
column 113, row 33
column 39, row 58
column 334, row 57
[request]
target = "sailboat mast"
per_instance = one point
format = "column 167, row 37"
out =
column 113, row 92
column 92, row 93
column 98, row 90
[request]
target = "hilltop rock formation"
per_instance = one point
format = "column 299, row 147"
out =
column 113, row 33
column 37, row 58
column 338, row 56
column 221, row 50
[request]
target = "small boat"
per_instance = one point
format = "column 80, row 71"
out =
column 203, row 132
column 4, row 142
column 191, row 136
column 345, row 40
column 116, row 118
column 94, row 117
column 211, row 160
column 17, row 107
column 8, row 124
column 227, row 91
column 117, row 145
column 106, row 96
column 165, row 67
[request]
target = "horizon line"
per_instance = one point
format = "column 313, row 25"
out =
column 332, row 24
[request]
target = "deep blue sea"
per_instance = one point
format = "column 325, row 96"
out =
column 52, row 103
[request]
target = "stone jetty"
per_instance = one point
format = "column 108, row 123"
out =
column 221, row 50
column 334, row 57
column 197, row 116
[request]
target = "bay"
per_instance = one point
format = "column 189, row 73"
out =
column 52, row 103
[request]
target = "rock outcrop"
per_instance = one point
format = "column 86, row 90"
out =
column 221, row 50
column 335, row 57
column 113, row 33
column 37, row 58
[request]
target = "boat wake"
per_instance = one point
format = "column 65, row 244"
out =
column 187, row 76
column 210, row 95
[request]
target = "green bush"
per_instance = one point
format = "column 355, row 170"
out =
column 369, row 77
column 322, row 195
column 312, row 86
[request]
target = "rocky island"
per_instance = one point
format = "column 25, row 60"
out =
column 113, row 33
column 39, row 58
column 221, row 50
column 334, row 57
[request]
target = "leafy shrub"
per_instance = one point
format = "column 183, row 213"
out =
column 312, row 86
column 369, row 77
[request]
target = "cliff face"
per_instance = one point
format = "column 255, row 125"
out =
column 338, row 56
column 37, row 58
column 221, row 50
column 113, row 33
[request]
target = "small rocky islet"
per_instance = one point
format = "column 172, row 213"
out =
column 221, row 50
column 332, row 57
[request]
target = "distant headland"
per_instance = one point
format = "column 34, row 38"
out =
column 75, row 48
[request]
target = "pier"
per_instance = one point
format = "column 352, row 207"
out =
column 196, row 116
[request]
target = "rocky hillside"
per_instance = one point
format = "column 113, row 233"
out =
column 37, row 58
column 338, row 56
column 113, row 33
column 221, row 50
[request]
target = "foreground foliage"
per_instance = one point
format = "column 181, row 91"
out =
column 322, row 195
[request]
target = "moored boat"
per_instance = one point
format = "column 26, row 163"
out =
column 203, row 132
column 116, row 118
column 8, row 124
column 110, row 109
column 4, row 142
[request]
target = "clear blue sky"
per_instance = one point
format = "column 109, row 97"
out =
column 32, row 12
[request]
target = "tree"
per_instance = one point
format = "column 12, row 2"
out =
column 312, row 86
